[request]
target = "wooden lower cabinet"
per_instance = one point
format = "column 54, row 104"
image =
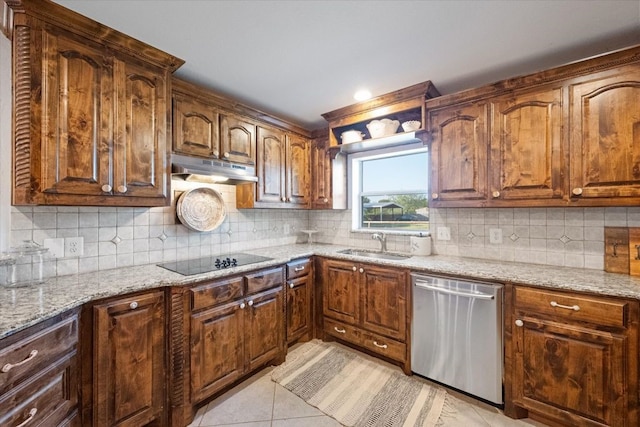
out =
column 299, row 306
column 129, row 361
column 572, row 359
column 39, row 376
column 366, row 305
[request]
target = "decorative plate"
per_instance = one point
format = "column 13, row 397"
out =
column 201, row 209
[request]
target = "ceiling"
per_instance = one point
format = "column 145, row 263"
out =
column 299, row 59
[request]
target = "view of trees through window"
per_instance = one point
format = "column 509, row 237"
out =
column 392, row 192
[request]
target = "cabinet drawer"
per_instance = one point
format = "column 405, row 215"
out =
column 342, row 331
column 384, row 346
column 25, row 357
column 298, row 268
column 217, row 292
column 600, row 311
column 45, row 400
column 264, row 279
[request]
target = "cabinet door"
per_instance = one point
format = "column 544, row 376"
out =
column 321, row 179
column 77, row 120
column 237, row 140
column 340, row 291
column 271, row 165
column 129, row 370
column 570, row 373
column 264, row 327
column 605, row 135
column 459, row 153
column 298, row 307
column 195, row 128
column 297, row 170
column 217, row 353
column 526, row 153
column 140, row 151
column 384, row 301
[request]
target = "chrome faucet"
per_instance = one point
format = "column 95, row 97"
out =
column 383, row 241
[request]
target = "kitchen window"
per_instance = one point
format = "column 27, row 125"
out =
column 389, row 190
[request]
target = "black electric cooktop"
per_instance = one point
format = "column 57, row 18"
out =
column 190, row 267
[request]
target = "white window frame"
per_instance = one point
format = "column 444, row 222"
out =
column 354, row 171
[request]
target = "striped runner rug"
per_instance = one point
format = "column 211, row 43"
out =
column 357, row 391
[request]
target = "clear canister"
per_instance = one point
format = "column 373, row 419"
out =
column 29, row 266
column 7, row 269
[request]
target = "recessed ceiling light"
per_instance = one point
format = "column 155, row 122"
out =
column 362, row 95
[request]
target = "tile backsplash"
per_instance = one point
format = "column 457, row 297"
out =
column 121, row 237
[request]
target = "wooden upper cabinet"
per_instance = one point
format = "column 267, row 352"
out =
column 526, row 160
column 458, row 153
column 605, row 135
column 90, row 112
column 297, row 170
column 271, row 165
column 321, row 175
column 237, row 139
column 195, row 127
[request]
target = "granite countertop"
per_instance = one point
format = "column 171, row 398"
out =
column 24, row 306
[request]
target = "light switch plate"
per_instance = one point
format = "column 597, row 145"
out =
column 55, row 246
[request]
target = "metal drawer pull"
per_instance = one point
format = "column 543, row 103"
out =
column 519, row 323
column 340, row 331
column 32, row 413
column 133, row 305
column 379, row 345
column 299, row 268
column 10, row 366
column 638, row 249
column 568, row 307
column 250, row 303
column 242, row 306
column 291, row 285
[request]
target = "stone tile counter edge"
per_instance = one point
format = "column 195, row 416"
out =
column 26, row 306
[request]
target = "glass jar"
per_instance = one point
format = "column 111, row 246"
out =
column 29, row 263
column 7, row 269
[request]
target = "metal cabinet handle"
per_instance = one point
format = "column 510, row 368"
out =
column 32, row 414
column 250, row 303
column 10, row 366
column 242, row 306
column 519, row 323
column 638, row 250
column 495, row 194
column 226, row 154
column 284, row 199
column 325, row 200
column 354, row 268
column 577, row 191
column 107, row 188
column 340, row 331
column 133, row 305
column 615, row 250
column 379, row 345
column 298, row 269
column 361, row 270
column 434, row 195
column 215, row 153
column 291, row 285
column 568, row 307
column 122, row 189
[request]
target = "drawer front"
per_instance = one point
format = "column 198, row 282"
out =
column 384, row 346
column 298, row 268
column 264, row 279
column 594, row 310
column 216, row 292
column 342, row 331
column 25, row 357
column 46, row 400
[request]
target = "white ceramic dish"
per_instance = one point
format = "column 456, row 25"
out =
column 382, row 128
column 350, row 136
column 201, row 209
column 411, row 125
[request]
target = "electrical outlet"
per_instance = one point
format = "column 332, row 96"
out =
column 286, row 229
column 73, row 247
column 495, row 235
column 55, row 246
column 444, row 233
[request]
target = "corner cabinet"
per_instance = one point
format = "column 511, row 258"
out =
column 90, row 112
column 562, row 137
column 283, row 172
column 572, row 359
column 366, row 305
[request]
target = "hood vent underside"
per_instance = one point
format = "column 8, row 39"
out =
column 211, row 170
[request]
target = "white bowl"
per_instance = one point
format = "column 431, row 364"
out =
column 351, row 136
column 381, row 128
column 411, row 125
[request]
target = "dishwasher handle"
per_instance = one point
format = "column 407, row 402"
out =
column 424, row 285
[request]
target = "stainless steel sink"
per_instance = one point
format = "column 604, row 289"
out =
column 374, row 254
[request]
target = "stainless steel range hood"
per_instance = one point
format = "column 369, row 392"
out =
column 211, row 170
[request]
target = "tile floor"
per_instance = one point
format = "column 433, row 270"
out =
column 260, row 402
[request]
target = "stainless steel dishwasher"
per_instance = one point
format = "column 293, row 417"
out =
column 456, row 334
